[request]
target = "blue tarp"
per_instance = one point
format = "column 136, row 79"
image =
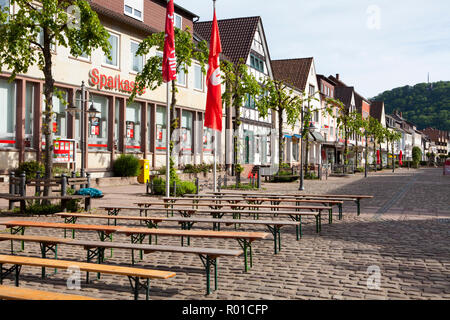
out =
column 94, row 193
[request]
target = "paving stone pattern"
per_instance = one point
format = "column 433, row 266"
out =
column 404, row 233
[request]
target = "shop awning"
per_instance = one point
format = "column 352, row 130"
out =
column 298, row 136
column 288, row 136
column 317, row 136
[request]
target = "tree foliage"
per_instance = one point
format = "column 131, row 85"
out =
column 28, row 37
column 426, row 105
column 187, row 51
column 280, row 98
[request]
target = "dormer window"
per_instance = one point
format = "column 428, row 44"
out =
column 134, row 8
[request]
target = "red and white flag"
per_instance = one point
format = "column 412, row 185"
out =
column 169, row 66
column 213, row 113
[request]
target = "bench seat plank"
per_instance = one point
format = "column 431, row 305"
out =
column 16, row 293
column 88, row 267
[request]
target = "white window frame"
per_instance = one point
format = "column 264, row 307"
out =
column 202, row 78
column 135, row 5
column 184, row 85
column 106, row 64
column 132, row 58
column 181, row 20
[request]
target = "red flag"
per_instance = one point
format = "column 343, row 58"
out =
column 213, row 113
column 169, row 66
column 378, row 157
column 400, row 162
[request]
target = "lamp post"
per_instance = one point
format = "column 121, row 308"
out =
column 92, row 112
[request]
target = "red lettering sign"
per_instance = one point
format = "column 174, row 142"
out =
column 103, row 81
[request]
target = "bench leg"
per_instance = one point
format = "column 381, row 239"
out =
column 136, row 285
column 48, row 248
column 275, row 230
column 209, row 261
column 4, row 272
column 358, row 207
column 330, row 216
column 340, row 211
column 247, row 248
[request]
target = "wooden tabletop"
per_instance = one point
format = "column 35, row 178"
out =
column 181, row 219
column 88, row 227
column 40, row 239
column 88, row 267
column 247, row 198
column 238, row 205
column 195, row 233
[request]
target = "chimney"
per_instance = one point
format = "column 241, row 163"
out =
column 337, row 76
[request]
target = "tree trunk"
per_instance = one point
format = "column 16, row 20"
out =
column 49, row 87
column 173, row 127
column 236, row 143
column 280, row 138
column 356, row 152
column 229, row 114
column 306, row 154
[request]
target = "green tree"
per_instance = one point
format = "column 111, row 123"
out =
column 278, row 97
column 28, row 36
column 187, row 51
column 417, row 156
column 392, row 137
column 240, row 87
column 356, row 126
column 343, row 121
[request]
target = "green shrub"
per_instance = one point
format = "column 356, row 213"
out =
column 417, row 155
column 239, row 169
column 126, row 165
column 183, row 187
column 240, row 187
column 41, row 209
column 285, row 166
column 30, row 168
column 311, row 176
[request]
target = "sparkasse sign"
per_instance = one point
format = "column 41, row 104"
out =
column 103, row 81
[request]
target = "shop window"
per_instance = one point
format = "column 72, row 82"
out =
column 98, row 124
column 208, row 143
column 114, row 61
column 29, row 115
column 161, row 128
column 134, row 8
column 8, row 112
column 186, row 131
column 137, row 62
column 133, row 127
column 59, row 119
column 116, row 122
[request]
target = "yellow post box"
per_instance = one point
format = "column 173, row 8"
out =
column 144, row 175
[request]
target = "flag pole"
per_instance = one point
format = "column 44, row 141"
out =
column 215, row 140
column 168, row 142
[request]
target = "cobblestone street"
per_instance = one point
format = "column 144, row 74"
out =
column 404, row 231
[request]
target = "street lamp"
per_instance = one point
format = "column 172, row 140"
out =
column 91, row 112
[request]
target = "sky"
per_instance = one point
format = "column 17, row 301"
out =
column 374, row 45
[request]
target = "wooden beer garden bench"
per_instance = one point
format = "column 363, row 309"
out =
column 261, row 200
column 134, row 274
column 355, row 198
column 245, row 239
column 114, row 210
column 274, row 226
column 138, row 235
column 295, row 215
column 16, row 293
column 95, row 251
